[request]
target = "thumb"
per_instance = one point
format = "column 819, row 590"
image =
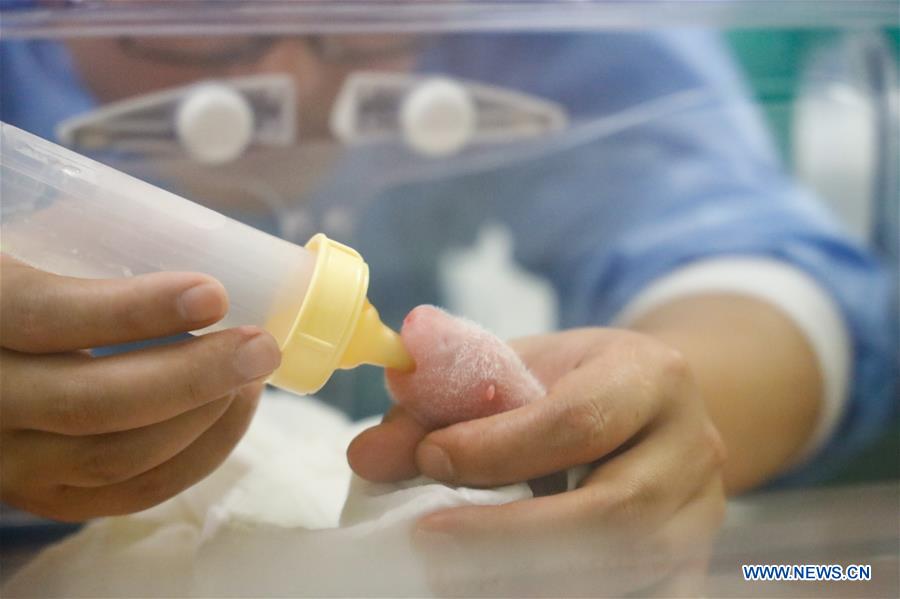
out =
column 45, row 313
column 387, row 451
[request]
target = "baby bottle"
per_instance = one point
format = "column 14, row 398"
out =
column 67, row 214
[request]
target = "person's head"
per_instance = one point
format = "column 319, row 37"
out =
column 133, row 58
column 115, row 68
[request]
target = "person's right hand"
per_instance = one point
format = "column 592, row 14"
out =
column 87, row 436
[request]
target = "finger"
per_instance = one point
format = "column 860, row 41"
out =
column 45, row 313
column 88, row 396
column 683, row 546
column 695, row 526
column 101, row 460
column 170, row 478
column 663, row 471
column 386, row 452
column 550, row 357
column 563, row 562
column 589, row 413
column 636, row 490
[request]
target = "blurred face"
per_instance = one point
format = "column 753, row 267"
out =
column 118, row 68
column 124, row 67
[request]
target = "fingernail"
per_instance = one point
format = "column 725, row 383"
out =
column 257, row 357
column 201, row 303
column 434, row 462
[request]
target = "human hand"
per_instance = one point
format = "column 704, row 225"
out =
column 645, row 516
column 87, row 436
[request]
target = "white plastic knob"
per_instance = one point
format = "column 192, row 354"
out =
column 438, row 118
column 214, row 124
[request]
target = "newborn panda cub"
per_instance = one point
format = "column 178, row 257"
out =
column 462, row 371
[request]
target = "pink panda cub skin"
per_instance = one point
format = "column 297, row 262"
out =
column 462, row 371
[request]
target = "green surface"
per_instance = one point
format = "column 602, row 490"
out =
column 773, row 62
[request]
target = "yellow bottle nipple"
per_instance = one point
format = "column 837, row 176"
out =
column 336, row 327
column 374, row 342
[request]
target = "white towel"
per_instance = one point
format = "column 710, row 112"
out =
column 267, row 523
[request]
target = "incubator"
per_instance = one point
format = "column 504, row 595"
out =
column 533, row 165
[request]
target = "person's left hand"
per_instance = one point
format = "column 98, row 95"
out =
column 645, row 516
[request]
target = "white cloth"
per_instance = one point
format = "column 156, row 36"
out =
column 267, row 523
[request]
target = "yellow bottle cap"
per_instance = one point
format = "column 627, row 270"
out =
column 336, row 327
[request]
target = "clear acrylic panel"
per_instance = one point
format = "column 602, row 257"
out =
column 525, row 163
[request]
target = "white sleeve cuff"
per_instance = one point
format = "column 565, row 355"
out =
column 790, row 290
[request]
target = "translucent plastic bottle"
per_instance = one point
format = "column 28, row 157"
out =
column 68, row 214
